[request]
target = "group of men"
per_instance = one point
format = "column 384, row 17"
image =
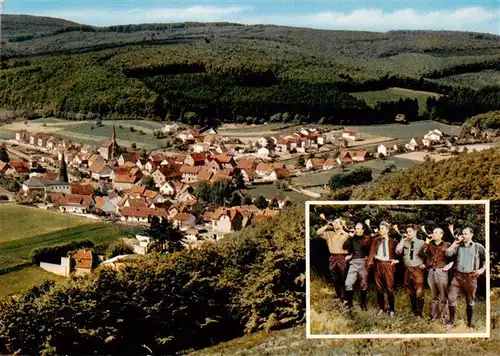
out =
column 354, row 253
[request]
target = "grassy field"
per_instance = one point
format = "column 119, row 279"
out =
column 26, row 228
column 414, row 129
column 270, row 190
column 19, row 222
column 328, row 317
column 323, row 177
column 83, row 132
column 394, row 94
column 16, row 252
column 19, row 281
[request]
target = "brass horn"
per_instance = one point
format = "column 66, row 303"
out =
column 456, row 235
column 395, row 227
column 422, row 228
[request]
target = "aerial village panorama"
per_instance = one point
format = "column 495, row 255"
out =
column 154, row 176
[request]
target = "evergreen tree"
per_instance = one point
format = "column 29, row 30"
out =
column 261, row 202
column 235, row 200
column 202, row 191
column 165, row 237
column 247, row 200
column 148, row 182
column 301, row 161
column 238, row 180
column 274, row 203
column 4, row 156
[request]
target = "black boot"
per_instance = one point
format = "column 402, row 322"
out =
column 338, row 291
column 364, row 301
column 380, row 300
column 420, row 306
column 453, row 312
column 413, row 301
column 391, row 302
column 348, row 299
column 470, row 313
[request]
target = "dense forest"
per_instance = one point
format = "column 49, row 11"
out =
column 249, row 282
column 490, row 120
column 210, row 73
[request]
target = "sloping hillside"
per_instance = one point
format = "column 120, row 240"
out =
column 231, row 72
column 15, row 26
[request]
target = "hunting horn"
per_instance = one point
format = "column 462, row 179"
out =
column 422, row 228
column 452, row 230
column 395, row 227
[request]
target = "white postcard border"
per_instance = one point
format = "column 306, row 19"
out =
column 486, row 334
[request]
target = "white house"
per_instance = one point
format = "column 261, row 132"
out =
column 184, row 221
column 415, row 143
column 385, row 150
column 434, row 135
column 351, row 135
column 200, row 147
column 266, row 141
column 264, row 152
column 315, row 163
column 170, row 127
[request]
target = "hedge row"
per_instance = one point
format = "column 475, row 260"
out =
column 53, row 254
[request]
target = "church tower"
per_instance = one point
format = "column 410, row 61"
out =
column 63, row 170
column 114, row 145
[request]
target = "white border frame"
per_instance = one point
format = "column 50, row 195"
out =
column 486, row 204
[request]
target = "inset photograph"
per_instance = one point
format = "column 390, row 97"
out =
column 397, row 269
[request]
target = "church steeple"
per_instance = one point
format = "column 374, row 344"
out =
column 63, row 170
column 113, row 140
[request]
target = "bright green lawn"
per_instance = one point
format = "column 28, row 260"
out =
column 414, row 129
column 16, row 252
column 19, row 222
column 19, row 281
column 394, row 94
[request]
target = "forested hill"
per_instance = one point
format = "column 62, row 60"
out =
column 192, row 299
column 198, row 72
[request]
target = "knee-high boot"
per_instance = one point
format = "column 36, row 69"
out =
column 420, row 306
column 470, row 313
column 364, row 301
column 348, row 298
column 413, row 301
column 380, row 300
column 453, row 312
column 338, row 290
column 391, row 302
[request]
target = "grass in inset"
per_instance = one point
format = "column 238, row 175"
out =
column 329, row 317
